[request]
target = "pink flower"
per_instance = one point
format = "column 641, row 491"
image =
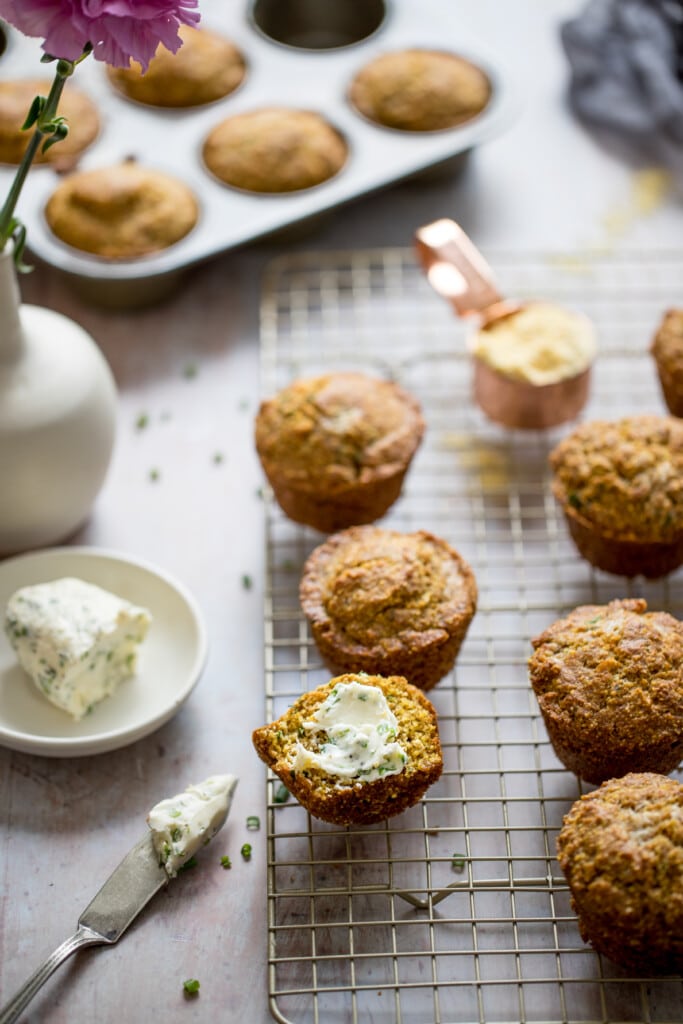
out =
column 117, row 29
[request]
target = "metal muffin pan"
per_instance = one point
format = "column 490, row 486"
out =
column 300, row 54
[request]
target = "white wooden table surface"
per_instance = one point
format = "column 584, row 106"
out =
column 64, row 824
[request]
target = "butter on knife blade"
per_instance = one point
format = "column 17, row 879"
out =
column 182, row 824
column 138, row 877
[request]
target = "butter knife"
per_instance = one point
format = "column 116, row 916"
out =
column 139, row 876
column 128, row 889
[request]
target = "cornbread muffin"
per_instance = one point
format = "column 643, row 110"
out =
column 621, row 849
column 16, row 97
column 335, row 448
column 274, row 150
column 420, row 90
column 609, row 682
column 620, row 486
column 205, row 68
column 390, row 603
column 356, row 750
column 121, row 212
column 667, row 351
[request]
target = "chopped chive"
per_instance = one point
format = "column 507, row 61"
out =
column 154, row 475
column 191, row 987
column 246, row 851
column 191, row 863
column 190, row 371
column 458, row 862
column 226, row 862
column 218, row 457
column 253, row 823
column 282, row 794
column 246, row 582
column 142, row 421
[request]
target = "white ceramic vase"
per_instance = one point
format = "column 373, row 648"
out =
column 57, row 421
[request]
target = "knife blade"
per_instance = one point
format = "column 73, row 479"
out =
column 126, row 892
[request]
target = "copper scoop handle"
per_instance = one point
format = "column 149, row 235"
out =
column 458, row 272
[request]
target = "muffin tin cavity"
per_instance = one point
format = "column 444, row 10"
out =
column 420, row 90
column 121, row 212
column 292, row 55
column 16, row 96
column 312, row 25
column 205, row 68
column 274, row 150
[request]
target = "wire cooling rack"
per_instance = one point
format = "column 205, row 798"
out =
column 455, row 911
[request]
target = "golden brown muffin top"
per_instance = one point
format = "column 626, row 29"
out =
column 625, row 477
column 205, row 68
column 621, row 848
column 667, row 345
column 420, row 90
column 327, row 433
column 381, row 589
column 274, row 149
column 614, row 669
column 16, row 97
column 121, row 212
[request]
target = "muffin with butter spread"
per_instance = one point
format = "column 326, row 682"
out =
column 390, row 603
column 609, row 683
column 205, row 68
column 667, row 351
column 274, row 149
column 620, row 486
column 532, row 365
column 121, row 212
column 420, row 90
column 356, row 750
column 336, row 447
column 621, row 850
column 16, row 97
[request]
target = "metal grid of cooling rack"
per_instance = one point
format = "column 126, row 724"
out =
column 455, row 911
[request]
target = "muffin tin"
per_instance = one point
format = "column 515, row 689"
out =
column 299, row 54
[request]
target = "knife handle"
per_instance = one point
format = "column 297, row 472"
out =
column 82, row 937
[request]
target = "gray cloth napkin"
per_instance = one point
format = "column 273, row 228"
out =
column 626, row 57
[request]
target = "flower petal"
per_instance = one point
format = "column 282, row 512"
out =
column 119, row 30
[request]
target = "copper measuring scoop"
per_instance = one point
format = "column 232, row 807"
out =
column 459, row 273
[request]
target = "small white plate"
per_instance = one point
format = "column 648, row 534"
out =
column 170, row 661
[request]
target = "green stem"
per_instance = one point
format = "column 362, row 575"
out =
column 64, row 70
